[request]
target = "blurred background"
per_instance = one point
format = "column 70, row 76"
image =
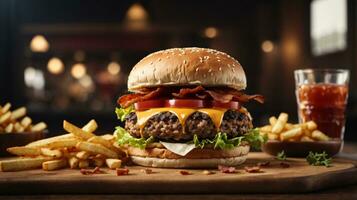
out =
column 69, row 59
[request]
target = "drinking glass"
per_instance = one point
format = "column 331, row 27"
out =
column 322, row 97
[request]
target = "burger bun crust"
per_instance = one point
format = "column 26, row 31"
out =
column 185, row 67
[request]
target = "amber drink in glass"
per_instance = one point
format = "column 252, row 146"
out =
column 322, row 97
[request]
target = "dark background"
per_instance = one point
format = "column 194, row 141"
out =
column 101, row 31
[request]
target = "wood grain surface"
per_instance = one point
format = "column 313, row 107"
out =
column 298, row 178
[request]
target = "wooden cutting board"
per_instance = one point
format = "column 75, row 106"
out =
column 299, row 177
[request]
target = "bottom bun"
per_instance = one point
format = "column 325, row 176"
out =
column 187, row 163
column 197, row 158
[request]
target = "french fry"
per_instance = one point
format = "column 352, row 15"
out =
column 18, row 113
column 54, row 164
column 6, row 108
column 19, row 164
column 59, row 143
column 9, row 128
column 290, row 134
column 39, row 127
column 24, row 151
column 288, row 126
column 272, row 120
column 113, row 163
column 83, row 155
column 63, row 143
column 45, row 142
column 306, row 132
column 83, row 164
column 91, row 126
column 108, row 137
column 306, row 139
column 77, row 131
column 55, row 153
column 266, row 128
column 100, row 156
column 98, row 162
column 272, row 136
column 280, row 123
column 5, row 117
column 96, row 149
column 311, row 125
column 320, row 136
column 73, row 162
column 68, row 154
column 26, row 122
column 100, row 140
column 18, row 128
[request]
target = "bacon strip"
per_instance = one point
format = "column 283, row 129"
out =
column 223, row 95
column 126, row 100
column 220, row 96
column 226, row 169
column 184, row 92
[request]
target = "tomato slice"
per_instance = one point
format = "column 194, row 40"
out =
column 184, row 103
column 230, row 105
column 145, row 105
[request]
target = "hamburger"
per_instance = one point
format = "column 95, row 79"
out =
column 185, row 110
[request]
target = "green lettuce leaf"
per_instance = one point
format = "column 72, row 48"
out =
column 123, row 137
column 221, row 140
column 255, row 139
column 123, row 112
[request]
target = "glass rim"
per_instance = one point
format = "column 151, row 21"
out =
column 331, row 70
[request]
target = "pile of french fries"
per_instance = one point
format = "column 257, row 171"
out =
column 280, row 129
column 78, row 149
column 16, row 121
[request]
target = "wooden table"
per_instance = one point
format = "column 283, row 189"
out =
column 346, row 192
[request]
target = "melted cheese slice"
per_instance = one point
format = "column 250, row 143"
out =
column 216, row 115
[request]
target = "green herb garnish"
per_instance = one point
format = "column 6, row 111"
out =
column 281, row 156
column 319, row 159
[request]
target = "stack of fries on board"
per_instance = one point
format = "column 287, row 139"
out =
column 16, row 121
column 80, row 148
column 280, row 129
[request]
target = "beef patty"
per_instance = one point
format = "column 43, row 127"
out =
column 165, row 126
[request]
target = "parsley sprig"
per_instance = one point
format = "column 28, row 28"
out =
column 319, row 159
column 281, row 156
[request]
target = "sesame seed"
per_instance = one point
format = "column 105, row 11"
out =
column 151, row 63
column 210, row 70
column 185, row 62
column 159, row 59
column 197, row 69
column 220, row 68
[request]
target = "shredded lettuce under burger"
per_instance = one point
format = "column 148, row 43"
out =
column 220, row 141
column 123, row 137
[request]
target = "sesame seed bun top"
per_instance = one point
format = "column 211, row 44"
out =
column 187, row 66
